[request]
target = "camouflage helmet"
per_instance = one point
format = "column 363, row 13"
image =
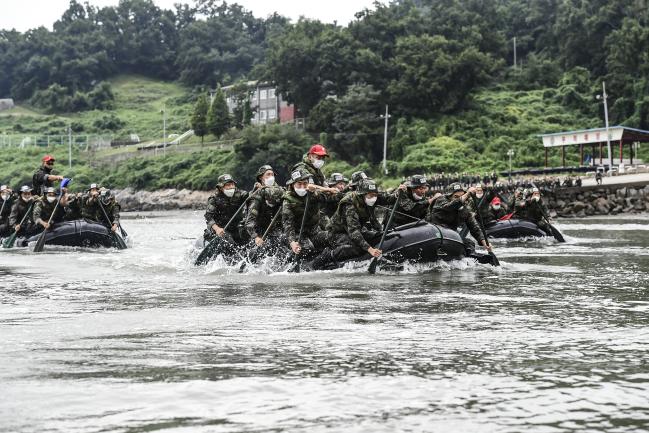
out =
column 4, row 187
column 263, row 169
column 336, row 178
column 299, row 175
column 455, row 187
column 223, row 179
column 25, row 188
column 357, row 177
column 416, row 181
column 49, row 190
column 367, row 186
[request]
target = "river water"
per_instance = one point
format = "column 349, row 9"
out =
column 557, row 340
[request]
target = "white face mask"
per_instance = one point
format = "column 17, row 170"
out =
column 536, row 198
column 496, row 206
column 318, row 163
column 51, row 199
column 300, row 191
column 228, row 192
column 26, row 198
column 370, row 201
column 416, row 196
column 479, row 194
column 4, row 196
column 269, row 181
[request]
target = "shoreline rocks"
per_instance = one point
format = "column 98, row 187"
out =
column 166, row 199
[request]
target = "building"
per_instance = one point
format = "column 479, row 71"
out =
column 6, row 104
column 267, row 105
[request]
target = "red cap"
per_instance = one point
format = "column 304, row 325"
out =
column 318, row 149
column 47, row 158
column 496, row 200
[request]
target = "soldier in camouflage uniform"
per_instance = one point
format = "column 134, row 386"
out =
column 7, row 200
column 533, row 209
column 413, row 204
column 112, row 208
column 451, row 212
column 339, row 182
column 314, row 238
column 312, row 163
column 18, row 211
column 90, row 204
column 44, row 208
column 496, row 211
column 354, row 225
column 265, row 202
column 221, row 207
column 357, row 177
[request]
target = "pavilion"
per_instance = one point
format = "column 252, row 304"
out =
column 619, row 136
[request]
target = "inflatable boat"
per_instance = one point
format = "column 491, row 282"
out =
column 514, row 228
column 77, row 233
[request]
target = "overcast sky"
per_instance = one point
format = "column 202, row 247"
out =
column 27, row 14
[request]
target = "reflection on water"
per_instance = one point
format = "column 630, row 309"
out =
column 139, row 340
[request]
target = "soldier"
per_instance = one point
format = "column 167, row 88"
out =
column 90, row 204
column 413, row 201
column 357, row 177
column 451, row 211
column 109, row 203
column 495, row 212
column 44, row 209
column 314, row 238
column 221, row 207
column 354, row 225
column 43, row 178
column 7, row 200
column 264, row 205
column 23, row 206
column 533, row 209
column 312, row 162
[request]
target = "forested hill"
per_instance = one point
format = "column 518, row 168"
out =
column 431, row 61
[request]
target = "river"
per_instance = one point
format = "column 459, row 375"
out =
column 556, row 340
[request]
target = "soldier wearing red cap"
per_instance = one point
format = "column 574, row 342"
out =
column 313, row 162
column 496, row 211
column 43, row 178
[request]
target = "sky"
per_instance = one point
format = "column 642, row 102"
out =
column 27, row 14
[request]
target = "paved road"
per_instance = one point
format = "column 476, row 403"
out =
column 622, row 180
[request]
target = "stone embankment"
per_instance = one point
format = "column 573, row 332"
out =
column 576, row 202
column 571, row 202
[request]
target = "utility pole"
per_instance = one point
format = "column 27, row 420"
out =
column 514, row 52
column 70, row 146
column 510, row 153
column 385, row 141
column 164, row 129
column 604, row 96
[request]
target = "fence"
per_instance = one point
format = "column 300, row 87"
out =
column 84, row 142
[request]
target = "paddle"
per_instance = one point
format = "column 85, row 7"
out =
column 494, row 259
column 555, row 232
column 204, row 256
column 296, row 268
column 375, row 261
column 40, row 243
column 263, row 238
column 119, row 242
column 9, row 242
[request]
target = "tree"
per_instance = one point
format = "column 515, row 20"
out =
column 198, row 120
column 218, row 116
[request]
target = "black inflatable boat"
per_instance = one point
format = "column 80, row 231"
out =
column 514, row 228
column 77, row 233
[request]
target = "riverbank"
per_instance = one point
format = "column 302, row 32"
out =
column 569, row 202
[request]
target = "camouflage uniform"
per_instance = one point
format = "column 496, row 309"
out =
column 40, row 180
column 533, row 211
column 73, row 211
column 292, row 214
column 90, row 208
column 5, row 207
column 18, row 211
column 316, row 173
column 494, row 215
column 43, row 210
column 452, row 213
column 408, row 205
column 264, row 203
column 220, row 208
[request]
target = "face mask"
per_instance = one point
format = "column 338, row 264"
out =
column 4, row 196
column 26, row 198
column 536, row 198
column 496, row 206
column 479, row 194
column 269, row 181
column 370, row 201
column 416, row 196
column 51, row 199
column 318, row 163
column 300, row 191
column 228, row 192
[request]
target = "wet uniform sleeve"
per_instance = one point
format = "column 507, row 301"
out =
column 212, row 213
column 288, row 221
column 386, row 199
column 115, row 208
column 14, row 217
column 38, row 209
column 251, row 216
column 354, row 227
column 472, row 223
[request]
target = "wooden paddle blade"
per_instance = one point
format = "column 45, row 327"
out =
column 40, row 243
column 373, row 264
column 557, row 234
column 9, row 242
